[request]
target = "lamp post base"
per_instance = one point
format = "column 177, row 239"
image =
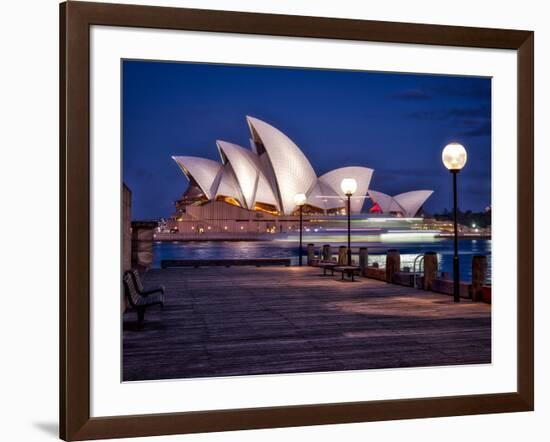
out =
column 456, row 274
column 456, row 281
column 301, row 228
column 349, row 227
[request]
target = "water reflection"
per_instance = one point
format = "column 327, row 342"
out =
column 289, row 249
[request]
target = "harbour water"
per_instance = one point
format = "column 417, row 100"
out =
column 288, row 248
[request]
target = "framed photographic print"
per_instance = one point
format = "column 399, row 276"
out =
column 274, row 221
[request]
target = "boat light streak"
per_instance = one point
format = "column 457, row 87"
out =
column 359, row 229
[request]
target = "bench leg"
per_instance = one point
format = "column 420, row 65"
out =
column 141, row 316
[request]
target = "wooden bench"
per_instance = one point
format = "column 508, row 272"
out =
column 347, row 270
column 139, row 285
column 258, row 262
column 326, row 265
column 140, row 302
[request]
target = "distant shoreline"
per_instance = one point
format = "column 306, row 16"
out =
column 169, row 237
column 465, row 236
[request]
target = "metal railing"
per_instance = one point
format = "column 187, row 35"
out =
column 420, row 259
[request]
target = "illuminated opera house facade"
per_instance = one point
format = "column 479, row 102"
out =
column 253, row 189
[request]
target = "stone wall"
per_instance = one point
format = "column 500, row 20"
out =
column 446, row 286
column 126, row 228
column 142, row 244
column 126, row 237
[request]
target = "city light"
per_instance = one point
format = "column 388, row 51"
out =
column 300, row 199
column 348, row 186
column 454, row 156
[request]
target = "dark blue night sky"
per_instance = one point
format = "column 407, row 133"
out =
column 396, row 124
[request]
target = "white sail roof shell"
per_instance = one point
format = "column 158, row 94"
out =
column 267, row 188
column 362, row 176
column 228, row 186
column 291, row 168
column 323, row 196
column 407, row 203
column 412, row 201
column 244, row 166
column 202, row 170
column 264, row 192
column 252, row 183
column 386, row 202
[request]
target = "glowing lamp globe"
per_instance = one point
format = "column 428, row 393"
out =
column 348, row 186
column 454, row 156
column 300, row 199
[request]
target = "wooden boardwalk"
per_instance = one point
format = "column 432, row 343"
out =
column 247, row 320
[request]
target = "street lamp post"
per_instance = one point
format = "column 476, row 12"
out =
column 454, row 158
column 349, row 186
column 300, row 200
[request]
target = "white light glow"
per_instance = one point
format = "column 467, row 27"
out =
column 300, row 199
column 400, row 235
column 348, row 186
column 454, row 156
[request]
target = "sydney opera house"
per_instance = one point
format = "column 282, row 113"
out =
column 254, row 189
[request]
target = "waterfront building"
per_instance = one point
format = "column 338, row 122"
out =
column 252, row 189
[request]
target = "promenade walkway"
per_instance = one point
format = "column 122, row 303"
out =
column 247, row 320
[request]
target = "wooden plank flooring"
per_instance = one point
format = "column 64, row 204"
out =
column 248, row 320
